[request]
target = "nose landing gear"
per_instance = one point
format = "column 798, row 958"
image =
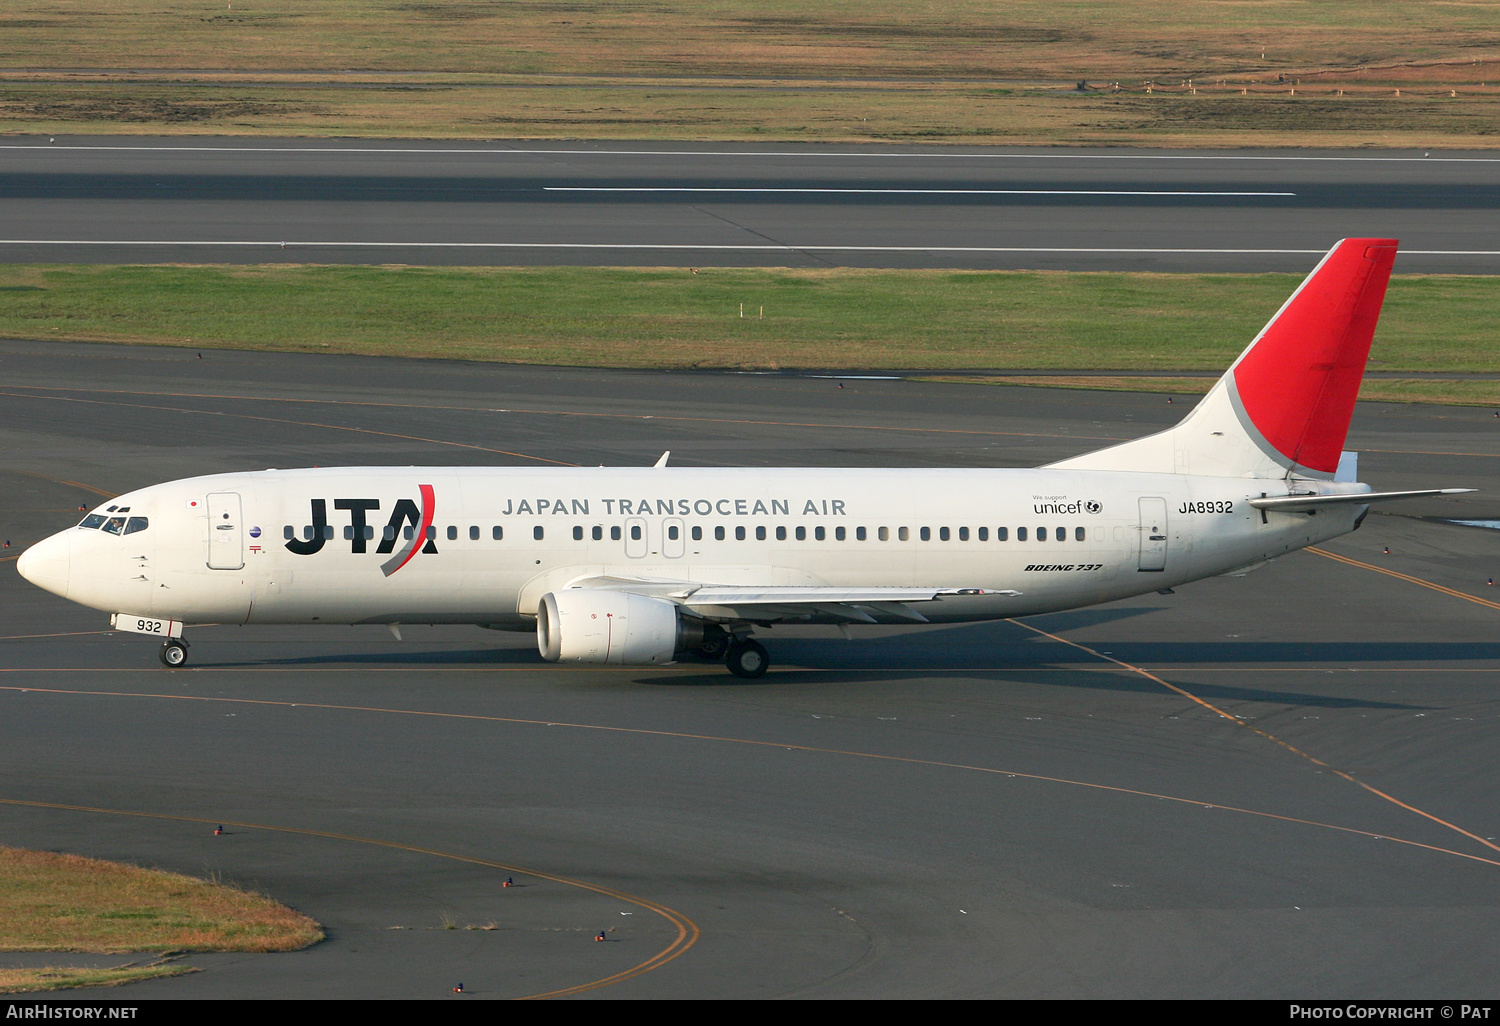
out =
column 173, row 652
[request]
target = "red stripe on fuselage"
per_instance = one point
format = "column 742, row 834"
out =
column 429, row 507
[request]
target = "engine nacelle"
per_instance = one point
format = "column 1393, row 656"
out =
column 582, row 625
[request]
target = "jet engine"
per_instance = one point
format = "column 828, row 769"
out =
column 582, row 625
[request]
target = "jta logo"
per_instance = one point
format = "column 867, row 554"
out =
column 410, row 524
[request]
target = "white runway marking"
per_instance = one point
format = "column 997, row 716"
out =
column 904, row 192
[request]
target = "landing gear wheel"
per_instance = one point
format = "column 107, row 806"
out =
column 173, row 652
column 747, row 659
column 715, row 644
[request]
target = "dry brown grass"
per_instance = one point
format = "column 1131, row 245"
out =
column 1019, row 39
column 843, row 70
column 55, row 902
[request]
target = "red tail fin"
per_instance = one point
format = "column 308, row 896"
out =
column 1297, row 382
column 1284, row 406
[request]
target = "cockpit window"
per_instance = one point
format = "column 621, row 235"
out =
column 114, row 525
column 136, row 524
column 92, row 521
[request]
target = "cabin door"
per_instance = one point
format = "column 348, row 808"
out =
column 1153, row 555
column 226, row 547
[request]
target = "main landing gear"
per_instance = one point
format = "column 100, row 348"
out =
column 744, row 657
column 173, row 652
column 747, row 658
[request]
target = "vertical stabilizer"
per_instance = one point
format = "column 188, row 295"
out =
column 1284, row 406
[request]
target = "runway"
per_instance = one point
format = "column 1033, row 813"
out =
column 151, row 200
column 1276, row 786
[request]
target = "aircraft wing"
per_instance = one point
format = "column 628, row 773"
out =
column 758, row 604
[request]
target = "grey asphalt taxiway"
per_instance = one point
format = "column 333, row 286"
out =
column 1275, row 786
column 151, row 200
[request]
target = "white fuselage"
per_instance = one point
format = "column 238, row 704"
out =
column 221, row 548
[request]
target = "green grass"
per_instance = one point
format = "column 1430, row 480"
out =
column 67, row 977
column 841, row 319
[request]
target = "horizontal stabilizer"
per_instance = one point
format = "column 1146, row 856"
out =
column 1307, row 503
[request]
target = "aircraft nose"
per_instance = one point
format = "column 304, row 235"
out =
column 46, row 564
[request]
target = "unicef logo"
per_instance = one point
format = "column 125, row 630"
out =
column 1092, row 506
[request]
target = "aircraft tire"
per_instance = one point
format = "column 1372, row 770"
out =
column 173, row 653
column 748, row 659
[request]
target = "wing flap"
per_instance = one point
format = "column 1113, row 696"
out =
column 763, row 604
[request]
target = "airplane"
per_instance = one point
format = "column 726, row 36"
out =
column 645, row 566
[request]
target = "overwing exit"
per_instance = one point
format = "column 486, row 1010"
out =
column 646, row 566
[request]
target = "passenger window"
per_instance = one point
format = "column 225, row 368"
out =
column 927, row 534
column 1003, row 534
column 781, row 533
column 536, row 532
column 1041, row 534
column 963, row 534
column 903, row 533
column 859, row 534
column 136, row 524
column 452, row 532
column 718, row 534
column 760, row 534
column 697, row 534
column 1020, row 534
column 496, row 533
column 673, row 532
column 389, row 533
column 578, row 534
column 93, row 520
column 820, row 533
column 473, row 533
column 614, row 534
column 635, row 532
column 432, row 534
column 1078, row 534
column 739, row 534
column 984, row 534
column 885, row 534
column 802, row 534
column 348, row 533
column 942, row 534
column 838, row 534
column 598, row 533
column 406, row 532
column 1060, row 533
